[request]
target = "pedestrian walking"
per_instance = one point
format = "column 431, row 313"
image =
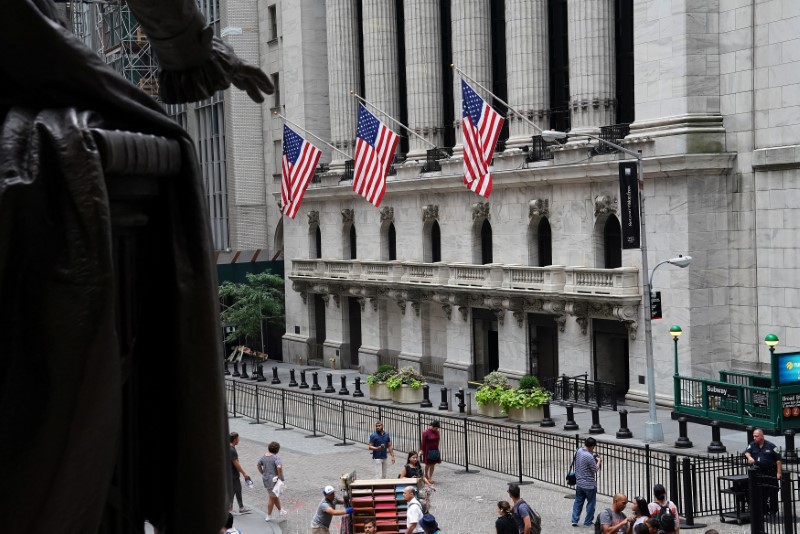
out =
column 664, row 511
column 413, row 469
column 429, row 449
column 413, row 511
column 380, row 443
column 321, row 522
column 271, row 470
column 612, row 520
column 505, row 523
column 236, row 471
column 229, row 526
column 528, row 521
column 587, row 463
column 429, row 524
column 762, row 455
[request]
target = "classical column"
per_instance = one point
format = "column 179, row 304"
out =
column 472, row 51
column 528, row 68
column 380, row 57
column 423, row 73
column 591, row 64
column 344, row 72
column 371, row 324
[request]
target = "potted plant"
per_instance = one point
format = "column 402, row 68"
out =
column 524, row 403
column 406, row 386
column 377, row 383
column 488, row 395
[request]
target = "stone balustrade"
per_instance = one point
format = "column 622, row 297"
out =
column 619, row 282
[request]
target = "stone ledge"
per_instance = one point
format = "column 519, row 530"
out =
column 776, row 158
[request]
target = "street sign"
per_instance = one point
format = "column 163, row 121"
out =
column 655, row 305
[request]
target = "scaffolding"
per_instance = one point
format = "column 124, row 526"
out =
column 113, row 32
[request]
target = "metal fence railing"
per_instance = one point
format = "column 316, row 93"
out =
column 693, row 481
column 581, row 389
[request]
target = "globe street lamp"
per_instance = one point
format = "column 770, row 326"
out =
column 675, row 331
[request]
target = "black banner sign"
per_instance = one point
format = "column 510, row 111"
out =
column 629, row 205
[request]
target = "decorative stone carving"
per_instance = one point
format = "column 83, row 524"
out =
column 561, row 321
column 633, row 326
column 520, row 317
column 534, row 305
column 313, row 218
column 583, row 322
column 304, row 296
column 556, row 307
column 415, row 307
column 464, row 311
column 581, row 312
column 600, row 309
column 347, row 216
column 362, row 302
column 430, row 213
column 336, row 300
column 604, row 204
column 402, row 305
column 325, row 298
column 374, row 302
column 480, row 210
column 448, row 311
column 387, row 214
column 539, row 208
column 501, row 315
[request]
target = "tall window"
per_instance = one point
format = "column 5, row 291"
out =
column 388, row 242
column 486, row 242
column 559, row 65
column 211, row 154
column 612, row 243
column 499, row 78
column 314, row 242
column 436, row 242
column 352, row 241
column 272, row 11
column 544, row 243
column 401, row 72
column 449, row 137
column 276, row 81
column 623, row 42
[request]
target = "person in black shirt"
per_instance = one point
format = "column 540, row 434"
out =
column 505, row 523
column 762, row 455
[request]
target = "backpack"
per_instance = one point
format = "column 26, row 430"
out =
column 666, row 520
column 536, row 519
column 598, row 528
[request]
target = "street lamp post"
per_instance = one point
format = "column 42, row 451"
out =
column 653, row 430
column 675, row 331
column 771, row 340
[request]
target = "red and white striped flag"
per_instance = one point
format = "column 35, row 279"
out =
column 375, row 147
column 481, row 127
column 300, row 160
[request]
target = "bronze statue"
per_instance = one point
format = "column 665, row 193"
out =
column 112, row 407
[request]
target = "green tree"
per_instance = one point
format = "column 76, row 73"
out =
column 260, row 298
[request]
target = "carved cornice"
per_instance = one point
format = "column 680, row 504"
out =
column 480, row 210
column 362, row 302
column 387, row 214
column 374, row 302
column 539, row 208
column 501, row 315
column 580, row 310
column 464, row 311
column 430, row 212
column 336, row 299
column 325, row 298
column 604, row 204
column 347, row 216
column 415, row 306
column 313, row 218
column 561, row 321
column 402, row 305
column 448, row 310
column 520, row 317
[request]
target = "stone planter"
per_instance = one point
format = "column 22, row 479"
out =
column 491, row 409
column 405, row 394
column 379, row 391
column 526, row 415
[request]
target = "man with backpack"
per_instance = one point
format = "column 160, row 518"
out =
column 586, row 465
column 664, row 511
column 528, row 521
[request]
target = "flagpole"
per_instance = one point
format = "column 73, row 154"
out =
column 517, row 113
column 348, row 156
column 397, row 122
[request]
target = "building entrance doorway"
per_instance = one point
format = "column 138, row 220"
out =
column 542, row 346
column 319, row 335
column 610, row 350
column 485, row 343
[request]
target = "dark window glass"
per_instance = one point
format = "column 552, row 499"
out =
column 401, row 72
column 545, row 243
column 392, row 242
column 559, row 65
column 352, row 241
column 486, row 242
column 623, row 30
column 447, row 74
column 612, row 237
column 499, row 78
column 436, row 242
column 318, row 243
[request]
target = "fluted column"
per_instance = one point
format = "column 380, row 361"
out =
column 423, row 73
column 528, row 68
column 380, row 57
column 591, row 64
column 472, row 51
column 343, row 73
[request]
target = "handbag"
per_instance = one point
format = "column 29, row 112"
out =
column 572, row 479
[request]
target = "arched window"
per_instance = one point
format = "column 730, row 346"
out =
column 612, row 243
column 436, row 242
column 545, row 243
column 314, row 242
column 392, row 243
column 388, row 242
column 486, row 242
column 352, row 235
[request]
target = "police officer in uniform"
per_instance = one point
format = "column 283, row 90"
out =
column 762, row 455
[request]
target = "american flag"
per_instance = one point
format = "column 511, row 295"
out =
column 481, row 126
column 375, row 147
column 300, row 159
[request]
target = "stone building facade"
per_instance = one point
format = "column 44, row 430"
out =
column 533, row 280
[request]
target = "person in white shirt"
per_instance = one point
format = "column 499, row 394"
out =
column 413, row 512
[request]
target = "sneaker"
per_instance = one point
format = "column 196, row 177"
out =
column 574, row 524
column 268, row 519
column 245, row 510
column 283, row 513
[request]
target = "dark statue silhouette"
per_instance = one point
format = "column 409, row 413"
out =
column 112, row 406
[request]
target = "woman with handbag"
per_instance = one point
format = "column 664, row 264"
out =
column 429, row 449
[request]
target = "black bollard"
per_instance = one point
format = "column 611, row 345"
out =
column 236, row 369
column 683, row 441
column 275, row 379
column 426, row 398
column 358, row 392
column 330, row 388
column 460, row 397
column 571, row 424
column 261, row 377
column 344, row 390
column 547, row 421
column 444, row 405
column 303, row 383
column 316, row 386
column 716, row 445
column 624, row 432
column 225, row 366
column 244, row 371
column 749, row 434
column 564, row 387
column 292, row 381
column 254, row 373
column 789, row 452
column 596, row 428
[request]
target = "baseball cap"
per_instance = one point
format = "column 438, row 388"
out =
column 327, row 490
